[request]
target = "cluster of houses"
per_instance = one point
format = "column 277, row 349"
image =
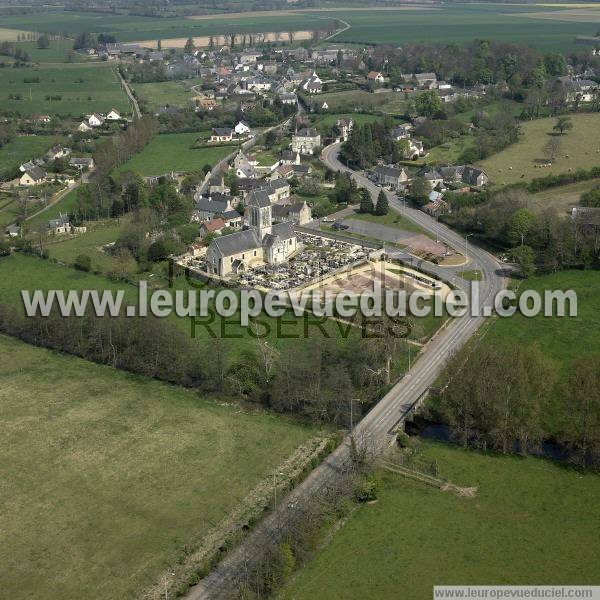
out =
column 33, row 171
column 456, row 178
column 96, row 120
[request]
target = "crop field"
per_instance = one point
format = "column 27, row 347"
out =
column 59, row 51
column 127, row 28
column 415, row 536
column 174, row 152
column 107, row 476
column 164, row 93
column 21, row 149
column 579, row 149
column 544, row 27
column 69, row 90
column 459, row 23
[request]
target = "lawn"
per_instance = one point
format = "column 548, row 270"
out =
column 68, row 90
column 164, row 93
column 579, row 149
column 107, row 475
column 173, row 152
column 391, row 219
column 21, row 149
column 449, row 152
column 543, row 528
column 349, row 101
column 332, row 118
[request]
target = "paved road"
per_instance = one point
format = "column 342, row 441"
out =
column 136, row 107
column 380, row 422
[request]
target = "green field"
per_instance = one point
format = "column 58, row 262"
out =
column 90, row 243
column 106, row 475
column 77, row 89
column 59, row 51
column 21, row 149
column 164, row 93
column 561, row 339
column 174, row 152
column 544, row 27
column 525, row 24
column 543, row 528
column 128, row 28
column 345, row 102
column 580, row 149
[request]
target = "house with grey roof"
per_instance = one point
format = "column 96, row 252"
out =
column 306, row 140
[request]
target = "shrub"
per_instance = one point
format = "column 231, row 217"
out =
column 83, row 262
column 403, row 439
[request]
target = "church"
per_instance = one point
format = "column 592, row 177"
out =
column 262, row 243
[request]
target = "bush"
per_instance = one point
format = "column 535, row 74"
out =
column 157, row 251
column 366, row 490
column 83, row 262
column 403, row 439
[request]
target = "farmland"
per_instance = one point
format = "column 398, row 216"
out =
column 69, row 90
column 127, row 28
column 579, row 149
column 459, row 23
column 174, row 152
column 547, row 28
column 416, row 536
column 97, row 482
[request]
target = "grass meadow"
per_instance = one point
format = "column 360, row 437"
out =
column 107, row 476
column 66, row 90
column 173, row 152
column 542, row 528
column 164, row 93
column 579, row 149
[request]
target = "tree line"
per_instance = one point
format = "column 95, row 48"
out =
column 503, row 399
column 317, row 377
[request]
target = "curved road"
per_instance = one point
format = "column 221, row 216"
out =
column 384, row 417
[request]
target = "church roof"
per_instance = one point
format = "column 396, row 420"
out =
column 258, row 198
column 234, row 243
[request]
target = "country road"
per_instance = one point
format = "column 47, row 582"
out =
column 385, row 416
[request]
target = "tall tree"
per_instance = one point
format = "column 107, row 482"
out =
column 382, row 207
column 366, row 201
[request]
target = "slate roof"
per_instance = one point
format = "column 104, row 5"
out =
column 234, row 243
column 258, row 198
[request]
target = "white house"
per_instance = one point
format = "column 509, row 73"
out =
column 113, row 115
column 375, row 76
column 221, row 134
column 84, row 127
column 241, row 128
column 95, row 120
